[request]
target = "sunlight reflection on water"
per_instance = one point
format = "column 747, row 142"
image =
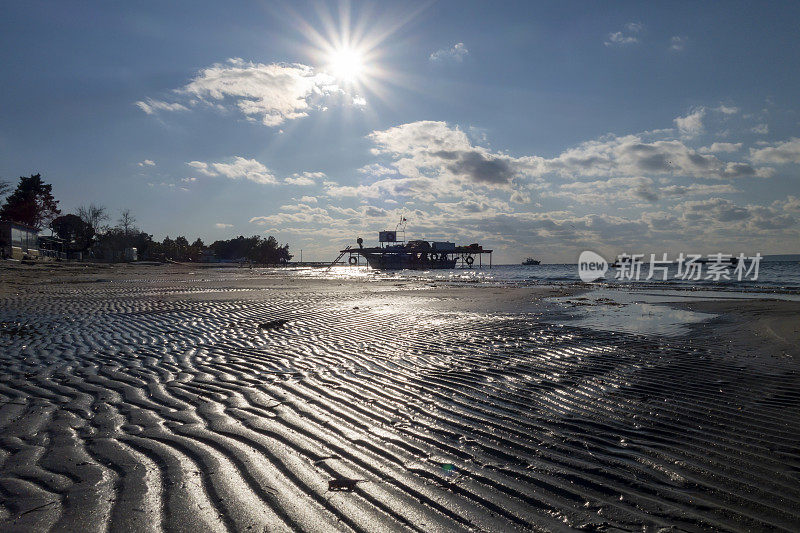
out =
column 641, row 313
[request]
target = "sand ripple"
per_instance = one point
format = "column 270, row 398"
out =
column 129, row 407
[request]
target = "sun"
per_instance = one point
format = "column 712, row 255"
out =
column 348, row 49
column 346, row 64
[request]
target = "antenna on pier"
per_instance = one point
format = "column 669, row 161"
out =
column 401, row 226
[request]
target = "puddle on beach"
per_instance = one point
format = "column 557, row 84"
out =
column 627, row 312
column 644, row 313
column 640, row 318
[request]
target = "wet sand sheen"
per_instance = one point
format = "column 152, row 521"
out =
column 154, row 401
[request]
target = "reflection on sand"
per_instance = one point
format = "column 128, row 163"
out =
column 644, row 312
column 622, row 314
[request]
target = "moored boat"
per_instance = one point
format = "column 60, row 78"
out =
column 391, row 254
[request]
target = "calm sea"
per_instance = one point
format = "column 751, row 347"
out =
column 783, row 277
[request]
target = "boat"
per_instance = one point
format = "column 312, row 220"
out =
column 531, row 262
column 394, row 254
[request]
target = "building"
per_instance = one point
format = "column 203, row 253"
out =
column 52, row 247
column 18, row 241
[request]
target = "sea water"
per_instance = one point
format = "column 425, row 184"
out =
column 773, row 277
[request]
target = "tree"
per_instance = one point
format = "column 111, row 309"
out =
column 181, row 248
column 31, row 203
column 4, row 187
column 93, row 215
column 168, row 247
column 74, row 231
column 126, row 221
column 196, row 250
column 256, row 249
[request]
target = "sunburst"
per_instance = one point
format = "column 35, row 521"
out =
column 350, row 48
column 346, row 64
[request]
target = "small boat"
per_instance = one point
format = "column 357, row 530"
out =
column 531, row 262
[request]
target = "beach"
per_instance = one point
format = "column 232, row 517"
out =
column 181, row 398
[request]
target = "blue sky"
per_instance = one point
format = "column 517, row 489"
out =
column 534, row 128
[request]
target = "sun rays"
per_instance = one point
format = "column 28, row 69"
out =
column 346, row 65
column 351, row 47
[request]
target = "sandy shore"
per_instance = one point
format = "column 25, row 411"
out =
column 767, row 327
column 175, row 398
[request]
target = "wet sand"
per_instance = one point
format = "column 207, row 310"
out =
column 172, row 398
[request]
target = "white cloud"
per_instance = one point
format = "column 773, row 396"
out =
column 238, row 168
column 294, row 214
column 305, row 178
column 222, row 225
column 618, row 38
column 147, row 163
column 422, row 188
column 784, row 152
column 308, row 200
column 456, row 53
column 376, row 169
column 430, row 160
column 724, row 213
column 745, row 170
column 697, row 189
column 631, row 155
column 202, row 168
column 271, row 93
column 151, row 107
column 761, row 129
column 633, row 189
column 434, row 149
column 625, row 37
column 727, row 110
column 692, row 124
column 792, row 203
column 717, row 148
column 678, row 43
column 253, row 170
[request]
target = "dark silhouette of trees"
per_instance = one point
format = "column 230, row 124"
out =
column 196, row 250
column 94, row 215
column 255, row 249
column 112, row 244
column 126, row 221
column 77, row 234
column 31, row 203
column 181, row 248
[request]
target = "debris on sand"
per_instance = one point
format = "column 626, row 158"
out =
column 273, row 324
column 343, row 484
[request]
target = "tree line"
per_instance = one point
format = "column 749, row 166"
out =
column 87, row 231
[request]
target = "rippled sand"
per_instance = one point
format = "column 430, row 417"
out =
column 159, row 398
